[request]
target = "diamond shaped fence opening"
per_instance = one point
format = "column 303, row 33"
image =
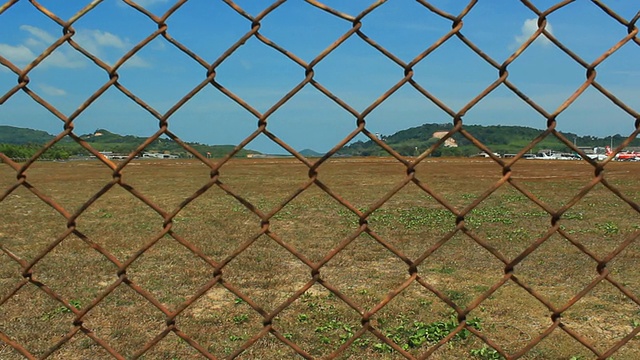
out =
column 408, row 250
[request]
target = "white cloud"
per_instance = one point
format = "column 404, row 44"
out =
column 529, row 27
column 100, row 43
column 157, row 45
column 20, row 54
column 108, row 39
column 136, row 62
column 52, row 91
column 65, row 58
column 39, row 34
column 94, row 40
column 33, row 46
column 34, row 43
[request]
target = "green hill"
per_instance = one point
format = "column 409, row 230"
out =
column 23, row 143
column 499, row 138
column 22, row 136
column 310, row 153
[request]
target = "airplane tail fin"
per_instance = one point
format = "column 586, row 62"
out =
column 608, row 150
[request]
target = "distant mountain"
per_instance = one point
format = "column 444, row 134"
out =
column 22, row 142
column 310, row 153
column 22, row 136
column 499, row 138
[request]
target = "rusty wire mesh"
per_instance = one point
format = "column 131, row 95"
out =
column 217, row 267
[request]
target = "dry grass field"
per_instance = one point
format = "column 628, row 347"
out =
column 266, row 275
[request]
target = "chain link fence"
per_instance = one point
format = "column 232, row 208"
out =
column 462, row 324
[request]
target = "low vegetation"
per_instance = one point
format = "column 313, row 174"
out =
column 265, row 277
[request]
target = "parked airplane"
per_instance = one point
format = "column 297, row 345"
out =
column 542, row 155
column 624, row 156
column 598, row 157
column 551, row 155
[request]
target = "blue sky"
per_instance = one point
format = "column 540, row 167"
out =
column 160, row 74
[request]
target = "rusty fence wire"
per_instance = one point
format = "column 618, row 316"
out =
column 26, row 265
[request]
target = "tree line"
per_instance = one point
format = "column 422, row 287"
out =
column 27, row 151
